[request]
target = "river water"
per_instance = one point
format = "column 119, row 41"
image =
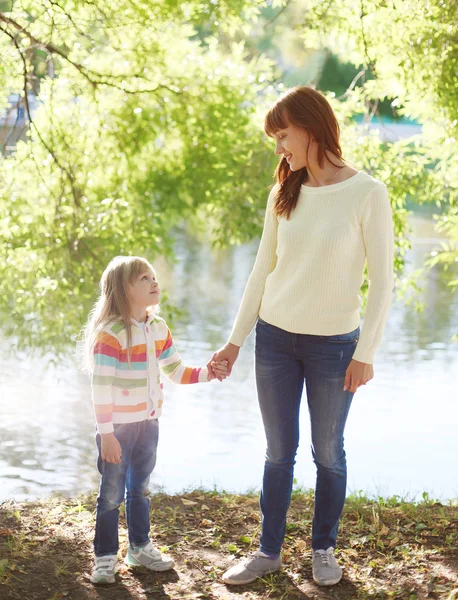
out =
column 401, row 436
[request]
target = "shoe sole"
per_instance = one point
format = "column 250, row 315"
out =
column 245, row 581
column 158, row 568
column 328, row 582
column 105, row 581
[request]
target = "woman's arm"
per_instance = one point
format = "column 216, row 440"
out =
column 265, row 262
column 251, row 301
column 378, row 237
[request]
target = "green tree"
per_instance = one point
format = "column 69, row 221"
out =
column 151, row 116
column 404, row 55
column 144, row 124
column 409, row 54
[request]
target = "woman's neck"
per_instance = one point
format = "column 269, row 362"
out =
column 329, row 173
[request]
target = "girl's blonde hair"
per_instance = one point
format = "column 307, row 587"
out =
column 113, row 304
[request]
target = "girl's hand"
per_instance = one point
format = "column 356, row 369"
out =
column 357, row 374
column 111, row 448
column 228, row 352
column 219, row 370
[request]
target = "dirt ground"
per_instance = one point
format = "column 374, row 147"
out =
column 388, row 548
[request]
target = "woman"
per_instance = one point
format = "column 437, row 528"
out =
column 324, row 221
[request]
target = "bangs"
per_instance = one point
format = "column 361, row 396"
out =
column 275, row 120
column 139, row 266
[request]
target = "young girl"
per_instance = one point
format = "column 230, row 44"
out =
column 126, row 344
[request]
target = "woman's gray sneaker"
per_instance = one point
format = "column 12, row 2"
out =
column 326, row 570
column 251, row 568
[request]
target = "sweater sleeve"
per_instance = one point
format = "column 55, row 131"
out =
column 173, row 368
column 378, row 238
column 266, row 260
column 106, row 356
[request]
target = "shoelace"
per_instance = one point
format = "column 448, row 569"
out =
column 254, row 556
column 324, row 559
column 250, row 558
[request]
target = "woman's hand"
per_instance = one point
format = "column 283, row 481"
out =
column 219, row 369
column 111, row 448
column 357, row 374
column 229, row 353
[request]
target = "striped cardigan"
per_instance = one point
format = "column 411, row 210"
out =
column 124, row 393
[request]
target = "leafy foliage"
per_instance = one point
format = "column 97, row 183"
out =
column 150, row 117
column 142, row 126
column 409, row 54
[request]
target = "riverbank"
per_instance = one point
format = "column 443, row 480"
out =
column 389, row 549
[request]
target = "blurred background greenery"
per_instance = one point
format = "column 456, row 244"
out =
column 125, row 124
column 136, row 126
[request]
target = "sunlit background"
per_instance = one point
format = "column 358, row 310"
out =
column 400, row 438
column 154, row 145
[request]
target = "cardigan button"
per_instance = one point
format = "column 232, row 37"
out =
column 152, row 413
column 147, row 329
column 125, row 392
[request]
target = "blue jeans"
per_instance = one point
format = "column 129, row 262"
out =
column 130, row 477
column 283, row 361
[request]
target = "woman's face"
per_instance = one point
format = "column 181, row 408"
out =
column 293, row 143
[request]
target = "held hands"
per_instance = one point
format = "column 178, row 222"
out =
column 111, row 448
column 218, row 370
column 357, row 374
column 228, row 353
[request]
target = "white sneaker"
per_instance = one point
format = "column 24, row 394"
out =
column 104, row 569
column 150, row 557
column 325, row 568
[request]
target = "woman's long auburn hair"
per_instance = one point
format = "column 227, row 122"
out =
column 305, row 108
column 114, row 304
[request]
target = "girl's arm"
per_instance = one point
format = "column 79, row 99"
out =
column 172, row 366
column 106, row 357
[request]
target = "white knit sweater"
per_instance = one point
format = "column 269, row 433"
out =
column 309, row 269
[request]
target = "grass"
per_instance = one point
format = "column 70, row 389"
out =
column 389, row 548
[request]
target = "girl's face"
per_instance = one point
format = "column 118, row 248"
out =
column 144, row 291
column 293, row 143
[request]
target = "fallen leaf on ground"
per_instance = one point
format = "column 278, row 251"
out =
column 188, row 502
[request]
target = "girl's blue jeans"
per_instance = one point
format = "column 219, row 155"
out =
column 129, row 478
column 283, row 362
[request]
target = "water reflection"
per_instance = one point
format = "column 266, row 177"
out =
column 401, row 436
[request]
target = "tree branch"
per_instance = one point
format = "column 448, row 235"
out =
column 69, row 17
column 70, row 176
column 352, row 85
column 93, row 77
column 370, row 62
column 275, row 17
